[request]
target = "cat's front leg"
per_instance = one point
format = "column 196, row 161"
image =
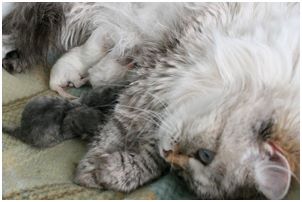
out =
column 120, row 171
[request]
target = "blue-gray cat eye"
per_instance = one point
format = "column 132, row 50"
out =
column 205, row 156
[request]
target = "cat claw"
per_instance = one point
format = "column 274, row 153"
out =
column 70, row 84
column 81, row 82
column 87, row 180
column 64, row 94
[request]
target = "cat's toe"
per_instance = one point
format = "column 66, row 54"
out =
column 87, row 180
column 70, row 84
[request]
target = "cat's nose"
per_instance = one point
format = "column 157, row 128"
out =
column 166, row 152
column 175, row 158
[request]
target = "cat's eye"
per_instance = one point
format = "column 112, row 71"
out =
column 205, row 156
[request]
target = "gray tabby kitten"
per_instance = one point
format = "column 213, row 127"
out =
column 216, row 95
column 47, row 121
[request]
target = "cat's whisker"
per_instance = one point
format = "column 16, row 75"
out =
column 162, row 103
column 114, row 85
column 126, row 136
column 167, row 112
column 158, row 100
column 145, row 117
column 172, row 161
column 107, row 105
column 141, row 132
column 164, row 124
column 154, row 114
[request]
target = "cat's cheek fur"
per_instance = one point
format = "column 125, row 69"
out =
column 197, row 170
column 202, row 185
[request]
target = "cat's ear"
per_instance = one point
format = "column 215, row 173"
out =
column 273, row 176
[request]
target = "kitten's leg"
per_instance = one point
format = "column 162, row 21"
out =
column 73, row 65
column 120, row 170
column 81, row 82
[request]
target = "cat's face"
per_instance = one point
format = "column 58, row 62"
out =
column 240, row 150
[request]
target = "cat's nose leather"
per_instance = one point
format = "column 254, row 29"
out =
column 166, row 152
column 176, row 159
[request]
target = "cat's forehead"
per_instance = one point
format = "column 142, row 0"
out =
column 237, row 120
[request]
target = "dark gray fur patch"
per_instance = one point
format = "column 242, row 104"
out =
column 41, row 122
column 82, row 122
column 102, row 98
column 36, row 28
column 47, row 121
column 11, row 62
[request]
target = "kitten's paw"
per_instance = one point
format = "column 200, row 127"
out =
column 59, row 81
column 64, row 94
column 87, row 179
column 80, row 82
column 86, row 174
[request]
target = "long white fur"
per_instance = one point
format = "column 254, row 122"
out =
column 252, row 61
column 126, row 25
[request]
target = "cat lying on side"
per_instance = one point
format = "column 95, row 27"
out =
column 216, row 92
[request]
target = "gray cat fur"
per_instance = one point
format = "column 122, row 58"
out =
column 47, row 121
column 36, row 29
column 190, row 72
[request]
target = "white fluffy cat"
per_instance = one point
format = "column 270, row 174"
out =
column 216, row 94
